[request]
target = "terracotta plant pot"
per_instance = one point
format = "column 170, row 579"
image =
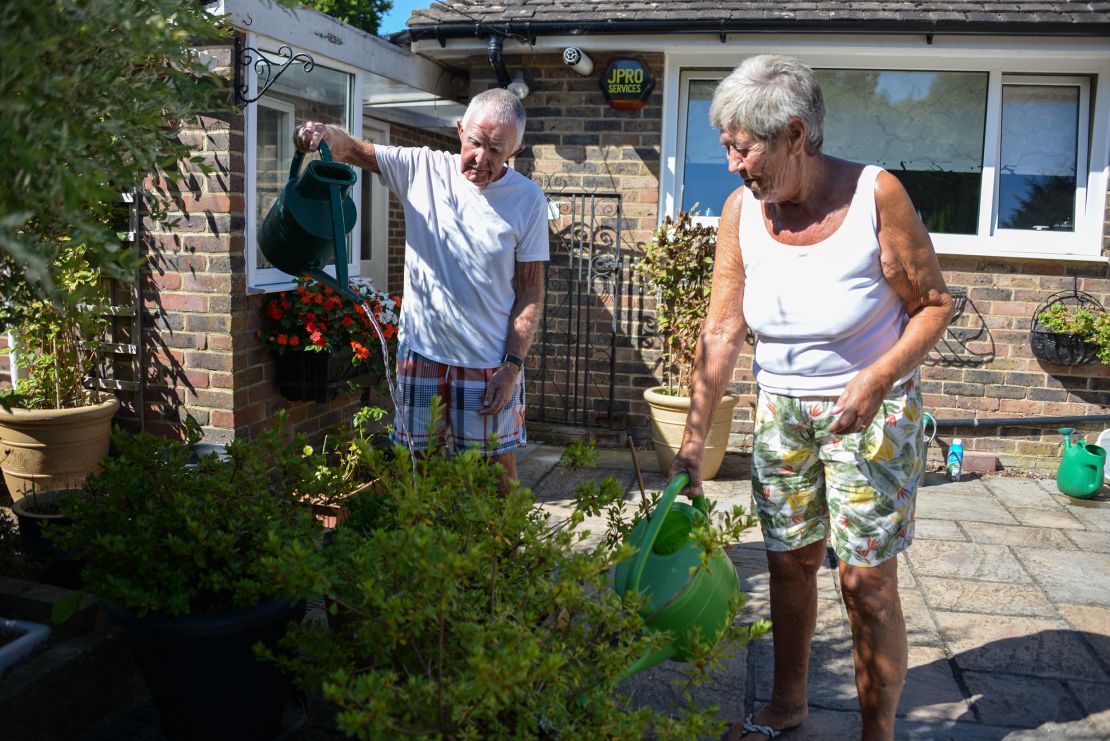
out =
column 668, row 420
column 43, row 449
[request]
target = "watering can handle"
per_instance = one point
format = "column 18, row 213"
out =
column 678, row 483
column 298, row 158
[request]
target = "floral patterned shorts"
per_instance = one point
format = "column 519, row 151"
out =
column 864, row 483
column 461, row 389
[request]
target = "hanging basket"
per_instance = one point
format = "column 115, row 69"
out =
column 319, row 376
column 1059, row 347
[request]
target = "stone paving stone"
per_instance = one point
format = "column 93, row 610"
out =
column 656, row 688
column 927, row 529
column 921, row 630
column 832, row 676
column 1038, row 537
column 535, row 462
column 966, row 561
column 947, row 730
column 931, row 692
column 1036, row 647
column 1015, row 492
column 1087, row 540
column 1046, row 518
column 996, row 598
column 1094, row 624
column 1095, row 515
column 906, row 579
column 1076, row 576
column 825, row 724
column 964, row 502
column 1095, row 698
column 1024, row 702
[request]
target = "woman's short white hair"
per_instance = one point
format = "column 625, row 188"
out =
column 764, row 93
column 500, row 106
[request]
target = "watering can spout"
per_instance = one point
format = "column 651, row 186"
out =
column 307, row 226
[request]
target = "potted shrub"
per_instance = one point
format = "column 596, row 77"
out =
column 456, row 612
column 1068, row 334
column 324, row 343
column 677, row 266
column 174, row 549
column 53, row 428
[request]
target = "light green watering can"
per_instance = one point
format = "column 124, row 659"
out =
column 681, row 594
column 1081, row 469
column 308, row 223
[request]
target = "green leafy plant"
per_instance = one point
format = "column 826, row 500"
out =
column 580, row 454
column 164, row 534
column 93, row 97
column 458, row 613
column 364, row 14
column 677, row 266
column 54, row 338
column 1084, row 324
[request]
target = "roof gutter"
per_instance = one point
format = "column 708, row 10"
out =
column 531, row 30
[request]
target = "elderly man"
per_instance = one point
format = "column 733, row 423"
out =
column 476, row 238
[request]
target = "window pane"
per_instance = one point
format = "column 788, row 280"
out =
column 1037, row 173
column 320, row 95
column 706, row 181
column 926, row 128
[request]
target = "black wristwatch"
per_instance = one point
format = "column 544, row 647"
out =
column 514, row 360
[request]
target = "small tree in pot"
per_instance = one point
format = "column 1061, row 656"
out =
column 677, row 267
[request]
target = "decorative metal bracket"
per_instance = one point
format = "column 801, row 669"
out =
column 267, row 71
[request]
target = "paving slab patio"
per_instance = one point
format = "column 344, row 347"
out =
column 1006, row 594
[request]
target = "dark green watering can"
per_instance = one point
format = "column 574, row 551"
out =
column 1082, row 467
column 681, row 594
column 309, row 222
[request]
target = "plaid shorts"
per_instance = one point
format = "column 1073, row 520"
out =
column 419, row 379
column 862, row 486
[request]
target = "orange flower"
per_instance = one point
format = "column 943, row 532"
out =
column 294, row 341
column 282, row 339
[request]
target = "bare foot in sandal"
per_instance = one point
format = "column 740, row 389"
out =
column 766, row 723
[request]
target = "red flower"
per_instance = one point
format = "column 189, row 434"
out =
column 348, row 321
column 294, row 341
column 318, row 339
column 360, row 350
column 282, row 339
column 389, row 331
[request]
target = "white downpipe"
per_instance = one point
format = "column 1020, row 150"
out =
column 13, row 365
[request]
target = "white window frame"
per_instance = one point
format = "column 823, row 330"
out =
column 1061, row 61
column 266, row 280
column 377, row 268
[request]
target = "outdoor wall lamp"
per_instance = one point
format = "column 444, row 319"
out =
column 577, row 60
column 518, row 86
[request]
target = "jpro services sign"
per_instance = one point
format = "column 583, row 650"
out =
column 626, row 84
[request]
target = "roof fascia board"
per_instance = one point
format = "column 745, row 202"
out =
column 690, row 46
column 317, row 33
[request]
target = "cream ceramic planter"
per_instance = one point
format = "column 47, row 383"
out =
column 43, row 449
column 668, row 421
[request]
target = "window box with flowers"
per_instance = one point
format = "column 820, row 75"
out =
column 324, row 345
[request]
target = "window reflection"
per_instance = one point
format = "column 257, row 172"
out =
column 1037, row 174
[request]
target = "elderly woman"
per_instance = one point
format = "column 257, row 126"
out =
column 828, row 264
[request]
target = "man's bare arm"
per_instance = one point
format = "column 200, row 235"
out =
column 343, row 146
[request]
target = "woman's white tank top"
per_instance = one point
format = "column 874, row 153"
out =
column 823, row 312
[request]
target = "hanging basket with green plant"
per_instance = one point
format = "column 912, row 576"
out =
column 1071, row 328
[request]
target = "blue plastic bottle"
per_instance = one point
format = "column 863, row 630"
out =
column 955, row 459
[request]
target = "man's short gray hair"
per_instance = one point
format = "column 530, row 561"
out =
column 500, row 106
column 764, row 93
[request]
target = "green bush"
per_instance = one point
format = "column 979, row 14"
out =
column 164, row 535
column 456, row 613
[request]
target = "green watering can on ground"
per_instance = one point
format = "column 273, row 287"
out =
column 308, row 224
column 667, row 569
column 1081, row 469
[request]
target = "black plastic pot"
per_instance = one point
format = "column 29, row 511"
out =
column 202, row 673
column 319, row 376
column 59, row 567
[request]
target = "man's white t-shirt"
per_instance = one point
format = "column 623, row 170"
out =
column 462, row 244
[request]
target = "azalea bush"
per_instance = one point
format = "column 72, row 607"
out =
column 677, row 266
column 314, row 317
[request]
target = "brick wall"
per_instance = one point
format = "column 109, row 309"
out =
column 202, row 357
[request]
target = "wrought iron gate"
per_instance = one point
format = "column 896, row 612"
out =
column 583, row 287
